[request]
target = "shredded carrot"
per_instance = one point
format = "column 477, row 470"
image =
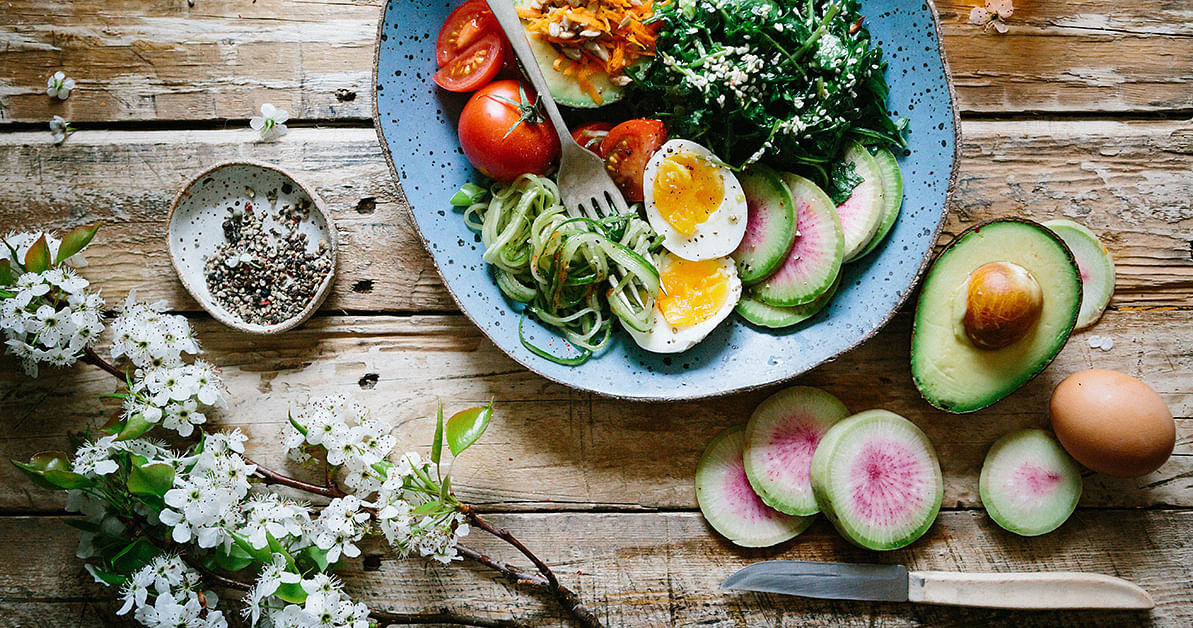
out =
column 608, row 35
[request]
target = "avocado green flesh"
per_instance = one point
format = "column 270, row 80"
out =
column 953, row 374
column 565, row 89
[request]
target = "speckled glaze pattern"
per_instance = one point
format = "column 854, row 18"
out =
column 195, row 228
column 416, row 124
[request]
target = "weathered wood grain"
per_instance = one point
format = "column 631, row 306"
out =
column 1130, row 182
column 551, row 447
column 663, row 569
column 220, row 59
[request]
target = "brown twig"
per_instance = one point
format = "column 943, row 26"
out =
column 546, row 582
column 273, row 477
column 91, row 357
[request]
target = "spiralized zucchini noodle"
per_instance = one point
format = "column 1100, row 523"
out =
column 569, row 272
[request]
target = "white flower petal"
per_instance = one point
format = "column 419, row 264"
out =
column 268, row 110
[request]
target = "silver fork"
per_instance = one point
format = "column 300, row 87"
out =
column 586, row 189
column 584, row 184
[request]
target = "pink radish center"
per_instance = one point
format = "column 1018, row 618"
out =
column 810, row 241
column 741, row 496
column 756, row 226
column 1036, row 480
column 887, row 481
column 854, row 211
column 790, row 451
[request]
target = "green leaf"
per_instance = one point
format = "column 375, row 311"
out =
column 6, row 276
column 276, row 547
column 316, row 556
column 446, row 488
column 425, row 509
column 437, row 443
column 234, row 560
column 107, row 577
column 51, row 469
column 262, row 555
column 152, row 479
column 465, row 427
column 67, row 480
column 75, row 241
column 291, row 592
column 135, row 555
column 301, row 430
column 37, row 258
column 134, row 427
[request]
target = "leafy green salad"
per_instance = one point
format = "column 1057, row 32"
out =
column 780, row 81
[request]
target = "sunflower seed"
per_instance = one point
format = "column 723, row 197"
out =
column 571, row 53
column 553, row 29
column 590, row 33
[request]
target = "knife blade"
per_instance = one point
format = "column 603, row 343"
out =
column 895, row 583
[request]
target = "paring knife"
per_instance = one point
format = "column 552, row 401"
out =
column 894, row 583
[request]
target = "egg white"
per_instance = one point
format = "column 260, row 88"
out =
column 717, row 236
column 662, row 337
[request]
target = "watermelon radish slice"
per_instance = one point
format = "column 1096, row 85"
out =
column 775, row 317
column 729, row 503
column 815, row 259
column 781, row 437
column 892, row 193
column 1095, row 264
column 876, row 477
column 1029, row 484
column 770, row 225
column 863, row 211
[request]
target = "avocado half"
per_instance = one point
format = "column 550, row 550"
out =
column 950, row 371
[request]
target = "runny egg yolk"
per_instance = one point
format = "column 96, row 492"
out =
column 692, row 291
column 687, row 190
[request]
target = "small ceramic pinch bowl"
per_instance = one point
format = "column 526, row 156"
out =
column 195, row 230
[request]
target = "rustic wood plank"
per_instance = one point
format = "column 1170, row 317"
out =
column 220, row 59
column 1128, row 181
column 664, row 569
column 552, row 447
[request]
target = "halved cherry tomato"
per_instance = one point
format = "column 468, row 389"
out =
column 463, row 28
column 474, row 67
column 590, row 134
column 627, row 148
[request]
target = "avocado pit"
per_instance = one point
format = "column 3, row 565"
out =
column 1003, row 302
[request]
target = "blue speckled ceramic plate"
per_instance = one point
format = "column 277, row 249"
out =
column 416, row 124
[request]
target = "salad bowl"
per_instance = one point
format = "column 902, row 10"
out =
column 416, row 125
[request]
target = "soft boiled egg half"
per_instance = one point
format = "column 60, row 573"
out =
column 694, row 297
column 693, row 201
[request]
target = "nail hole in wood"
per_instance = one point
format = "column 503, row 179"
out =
column 345, row 95
column 372, row 562
column 369, row 381
column 364, row 286
column 366, row 205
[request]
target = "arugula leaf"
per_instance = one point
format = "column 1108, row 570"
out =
column 843, row 178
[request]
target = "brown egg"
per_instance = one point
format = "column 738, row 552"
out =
column 1112, row 423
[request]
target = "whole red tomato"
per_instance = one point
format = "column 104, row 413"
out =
column 503, row 135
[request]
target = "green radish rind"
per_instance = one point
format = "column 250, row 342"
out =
column 892, row 192
column 721, row 481
column 1096, row 266
column 775, row 317
column 768, row 199
column 781, row 437
column 793, row 283
column 1012, row 471
column 860, row 229
column 827, row 462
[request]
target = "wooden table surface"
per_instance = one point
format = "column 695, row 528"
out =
column 1080, row 111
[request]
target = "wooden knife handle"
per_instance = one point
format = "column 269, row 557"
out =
column 1048, row 590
